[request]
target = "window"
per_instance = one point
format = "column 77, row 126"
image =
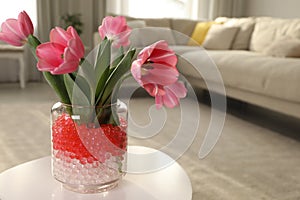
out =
column 12, row 8
column 157, row 8
column 151, row 8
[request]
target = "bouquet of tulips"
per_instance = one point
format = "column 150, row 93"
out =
column 78, row 81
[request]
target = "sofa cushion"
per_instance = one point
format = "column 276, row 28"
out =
column 269, row 29
column 220, row 37
column 284, row 47
column 242, row 38
column 156, row 22
column 181, row 49
column 183, row 30
column 295, row 34
column 200, row 32
column 145, row 36
column 136, row 24
column 254, row 72
column 162, row 22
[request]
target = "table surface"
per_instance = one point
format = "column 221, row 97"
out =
column 33, row 181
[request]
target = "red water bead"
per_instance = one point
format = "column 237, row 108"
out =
column 116, row 135
column 65, row 138
column 103, row 142
column 87, row 144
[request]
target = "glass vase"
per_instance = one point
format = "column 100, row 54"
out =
column 89, row 146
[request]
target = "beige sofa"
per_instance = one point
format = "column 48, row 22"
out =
column 260, row 66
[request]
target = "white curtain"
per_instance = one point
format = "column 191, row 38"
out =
column 210, row 9
column 150, row 9
column 226, row 8
column 192, row 9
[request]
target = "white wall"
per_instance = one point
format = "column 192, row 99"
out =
column 273, row 8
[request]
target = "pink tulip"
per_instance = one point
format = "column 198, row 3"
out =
column 16, row 31
column 62, row 54
column 155, row 70
column 116, row 30
column 171, row 96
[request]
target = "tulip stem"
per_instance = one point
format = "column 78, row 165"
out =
column 55, row 81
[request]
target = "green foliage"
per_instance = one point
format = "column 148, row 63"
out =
column 94, row 84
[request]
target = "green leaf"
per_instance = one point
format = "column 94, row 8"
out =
column 83, row 110
column 102, row 65
column 116, row 61
column 103, row 58
column 33, row 42
column 123, row 66
column 106, row 75
column 58, row 85
column 87, row 73
column 102, row 82
column 87, row 70
column 84, row 86
column 77, row 97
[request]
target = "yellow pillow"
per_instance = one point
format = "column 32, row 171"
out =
column 200, row 32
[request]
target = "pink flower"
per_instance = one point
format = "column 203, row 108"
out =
column 115, row 29
column 171, row 96
column 16, row 31
column 155, row 70
column 62, row 54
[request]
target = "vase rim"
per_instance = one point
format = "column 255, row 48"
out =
column 86, row 106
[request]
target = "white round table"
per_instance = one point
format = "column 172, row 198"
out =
column 33, row 181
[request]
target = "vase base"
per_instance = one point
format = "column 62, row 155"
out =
column 89, row 189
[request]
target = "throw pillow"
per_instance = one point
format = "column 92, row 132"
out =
column 242, row 38
column 220, row 37
column 284, row 47
column 200, row 32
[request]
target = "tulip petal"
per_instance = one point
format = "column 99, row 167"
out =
column 122, row 39
column 136, row 71
column 63, row 53
column 145, row 54
column 158, row 102
column 43, row 65
column 11, row 29
column 25, row 24
column 178, row 89
column 69, row 56
column 66, row 67
column 15, row 32
column 154, row 89
column 60, row 36
column 10, row 40
column 159, row 74
column 170, row 99
column 49, row 55
column 173, row 93
column 166, row 57
column 115, row 29
column 76, row 48
column 163, row 54
column 155, row 70
column 50, row 52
